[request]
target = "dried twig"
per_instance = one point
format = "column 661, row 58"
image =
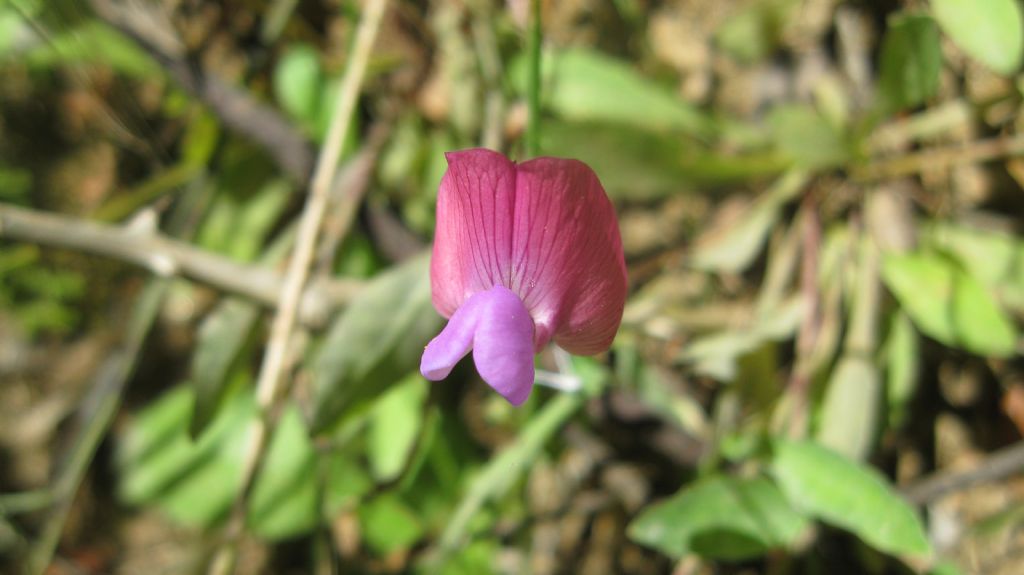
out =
column 999, row 465
column 269, row 386
column 910, row 164
column 236, row 108
column 165, row 257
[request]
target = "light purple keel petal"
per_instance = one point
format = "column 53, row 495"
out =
column 497, row 327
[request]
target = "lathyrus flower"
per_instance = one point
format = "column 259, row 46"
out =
column 523, row 255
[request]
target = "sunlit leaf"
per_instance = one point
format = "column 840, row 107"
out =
column 93, row 42
column 299, row 83
column 852, row 406
column 389, row 524
column 586, row 85
column 196, row 482
column 284, row 497
column 994, row 257
column 395, row 423
column 720, row 518
column 949, row 304
column 802, row 134
column 989, row 31
column 848, row 495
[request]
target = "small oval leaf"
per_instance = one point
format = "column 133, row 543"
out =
column 989, row 31
column 851, row 496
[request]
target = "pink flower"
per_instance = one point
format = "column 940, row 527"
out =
column 524, row 254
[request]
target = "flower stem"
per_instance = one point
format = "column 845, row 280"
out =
column 533, row 82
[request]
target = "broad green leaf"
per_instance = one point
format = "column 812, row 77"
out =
column 93, row 42
column 395, row 423
column 803, row 135
column 193, row 482
column 586, row 85
column 851, row 408
column 299, row 83
column 196, row 482
column 911, row 60
column 948, row 304
column 634, row 163
column 720, row 518
column 989, row 31
column 14, row 31
column 388, row 524
column 284, row 497
column 376, row 341
column 995, row 257
column 847, row 495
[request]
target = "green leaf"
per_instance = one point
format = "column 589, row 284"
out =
column 193, row 482
column 948, row 304
column 637, row 164
column 806, row 138
column 989, row 31
column 911, row 60
column 847, row 495
column 376, row 341
column 395, row 424
column 720, row 518
column 299, row 83
column 996, row 258
column 196, row 482
column 389, row 525
column 93, row 42
column 284, row 497
column 851, row 408
column 586, row 85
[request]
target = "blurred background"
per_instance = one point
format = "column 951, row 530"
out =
column 819, row 368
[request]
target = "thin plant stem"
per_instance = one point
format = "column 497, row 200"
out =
column 533, row 83
column 272, row 381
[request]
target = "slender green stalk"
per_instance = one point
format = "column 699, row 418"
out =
column 533, row 82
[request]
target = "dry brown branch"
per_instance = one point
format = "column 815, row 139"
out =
column 999, row 465
column 166, row 257
column 236, row 108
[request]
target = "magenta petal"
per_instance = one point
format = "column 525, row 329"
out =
column 567, row 262
column 473, row 241
column 497, row 327
column 503, row 345
column 544, row 229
